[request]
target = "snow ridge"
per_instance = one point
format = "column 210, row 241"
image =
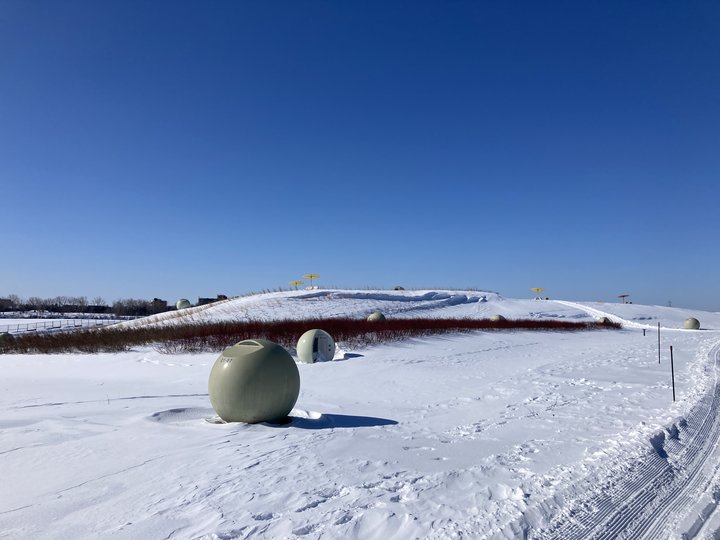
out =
column 598, row 314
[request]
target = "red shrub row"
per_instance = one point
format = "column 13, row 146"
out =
column 216, row 336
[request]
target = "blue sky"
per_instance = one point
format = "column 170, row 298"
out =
column 184, row 149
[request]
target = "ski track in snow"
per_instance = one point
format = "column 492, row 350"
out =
column 676, row 487
column 673, row 488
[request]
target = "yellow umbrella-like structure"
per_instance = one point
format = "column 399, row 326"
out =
column 311, row 277
column 296, row 283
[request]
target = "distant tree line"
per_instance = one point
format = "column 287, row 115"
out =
column 81, row 304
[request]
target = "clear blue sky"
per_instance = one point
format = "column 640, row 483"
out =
column 184, row 149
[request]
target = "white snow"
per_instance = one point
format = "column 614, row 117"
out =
column 483, row 435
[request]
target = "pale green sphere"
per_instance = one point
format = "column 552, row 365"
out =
column 183, row 303
column 691, row 324
column 376, row 316
column 497, row 318
column 315, row 346
column 254, row 381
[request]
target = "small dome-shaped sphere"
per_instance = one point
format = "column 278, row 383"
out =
column 183, row 303
column 603, row 320
column 497, row 318
column 691, row 324
column 6, row 337
column 376, row 316
column 254, row 381
column 315, row 346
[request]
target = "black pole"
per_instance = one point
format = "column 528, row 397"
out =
column 672, row 371
column 658, row 343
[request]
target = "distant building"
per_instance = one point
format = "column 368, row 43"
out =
column 159, row 305
column 203, row 301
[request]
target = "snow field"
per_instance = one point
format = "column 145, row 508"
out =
column 486, row 435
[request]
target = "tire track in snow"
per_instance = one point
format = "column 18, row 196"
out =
column 657, row 493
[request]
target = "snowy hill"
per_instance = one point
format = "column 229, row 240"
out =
column 421, row 303
column 481, row 435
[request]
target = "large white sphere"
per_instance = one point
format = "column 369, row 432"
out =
column 254, row 381
column 376, row 316
column 691, row 324
column 315, row 346
column 183, row 303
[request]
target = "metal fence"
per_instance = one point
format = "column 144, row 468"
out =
column 56, row 325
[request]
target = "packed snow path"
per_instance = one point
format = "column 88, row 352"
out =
column 672, row 488
column 675, row 487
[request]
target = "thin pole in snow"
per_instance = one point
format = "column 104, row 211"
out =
column 658, row 343
column 672, row 371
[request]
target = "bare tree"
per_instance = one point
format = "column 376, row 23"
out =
column 35, row 302
column 132, row 306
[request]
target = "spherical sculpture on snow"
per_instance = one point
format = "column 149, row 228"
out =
column 691, row 324
column 497, row 318
column 603, row 320
column 6, row 337
column 183, row 303
column 315, row 346
column 376, row 316
column 254, row 381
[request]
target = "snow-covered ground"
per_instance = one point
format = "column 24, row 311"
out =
column 481, row 435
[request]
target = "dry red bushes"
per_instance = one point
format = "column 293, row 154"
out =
column 216, row 336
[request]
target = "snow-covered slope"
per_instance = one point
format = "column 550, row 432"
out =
column 484, row 435
column 421, row 303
